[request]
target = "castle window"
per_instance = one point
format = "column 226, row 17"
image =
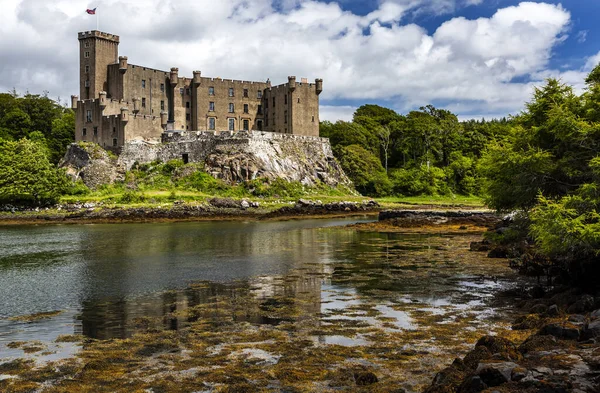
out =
column 162, row 87
column 84, row 132
column 187, row 91
column 187, row 104
column 211, row 123
column 87, row 83
column 87, row 44
column 211, row 91
column 114, row 130
column 231, row 92
column 143, row 83
column 86, row 54
column 285, row 99
column 115, row 142
column 95, row 131
column 187, row 117
column 298, row 100
column 260, row 109
column 87, row 69
column 273, row 102
column 259, row 94
column 162, row 105
column 231, row 107
column 211, row 106
column 231, row 124
column 181, row 91
column 246, row 93
column 245, row 108
column 143, row 102
column 259, row 125
column 246, row 125
column 88, row 116
column 313, row 119
column 285, row 117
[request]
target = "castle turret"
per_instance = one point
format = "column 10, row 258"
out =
column 292, row 83
column 319, row 85
column 74, row 100
column 102, row 99
column 97, row 50
column 123, row 64
column 197, row 78
column 124, row 115
column 136, row 105
column 174, row 76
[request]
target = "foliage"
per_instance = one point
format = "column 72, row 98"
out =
column 365, row 170
column 39, row 118
column 27, row 176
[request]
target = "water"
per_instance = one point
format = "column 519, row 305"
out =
column 335, row 285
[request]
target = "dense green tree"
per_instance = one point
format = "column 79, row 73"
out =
column 27, row 176
column 365, row 170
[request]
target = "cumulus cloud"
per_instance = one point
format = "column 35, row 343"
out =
column 470, row 64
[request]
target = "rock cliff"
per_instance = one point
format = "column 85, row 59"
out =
column 233, row 158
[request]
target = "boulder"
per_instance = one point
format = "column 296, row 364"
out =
column 498, row 345
column 495, row 374
column 553, row 311
column 527, row 322
column 539, row 308
column 565, row 331
column 585, row 303
column 472, row 385
column 592, row 330
column 474, row 357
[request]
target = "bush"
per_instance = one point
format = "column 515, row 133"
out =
column 419, row 181
column 131, row 197
column 365, row 171
column 275, row 188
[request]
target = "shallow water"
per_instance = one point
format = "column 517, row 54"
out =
column 334, row 285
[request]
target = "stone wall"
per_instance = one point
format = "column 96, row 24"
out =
column 243, row 156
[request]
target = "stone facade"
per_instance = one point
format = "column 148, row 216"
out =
column 121, row 102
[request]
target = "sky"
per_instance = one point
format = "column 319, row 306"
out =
column 476, row 58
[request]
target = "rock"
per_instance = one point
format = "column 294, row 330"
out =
column 501, row 346
column 577, row 319
column 585, row 303
column 224, row 203
column 364, row 377
column 480, row 246
column 498, row 252
column 244, row 204
column 474, row 357
column 537, row 292
column 90, row 163
column 495, row 374
column 539, row 308
column 518, row 374
column 527, row 322
column 553, row 311
column 595, row 314
column 472, row 385
column 592, row 330
column 449, row 379
column 564, row 331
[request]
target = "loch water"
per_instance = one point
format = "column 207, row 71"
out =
column 103, row 279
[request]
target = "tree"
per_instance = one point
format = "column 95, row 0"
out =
column 365, row 171
column 27, row 176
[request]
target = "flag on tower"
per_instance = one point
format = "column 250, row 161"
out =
column 91, row 12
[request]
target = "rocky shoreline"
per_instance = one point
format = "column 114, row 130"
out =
column 561, row 355
column 213, row 209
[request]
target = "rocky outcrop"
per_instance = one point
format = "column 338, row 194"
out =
column 91, row 164
column 242, row 156
column 411, row 218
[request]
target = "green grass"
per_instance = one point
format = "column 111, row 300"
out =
column 436, row 200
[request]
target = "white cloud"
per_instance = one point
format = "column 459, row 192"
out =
column 582, row 36
column 334, row 113
column 469, row 63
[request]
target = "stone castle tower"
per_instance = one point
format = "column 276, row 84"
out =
column 119, row 102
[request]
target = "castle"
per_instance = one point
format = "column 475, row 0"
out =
column 121, row 102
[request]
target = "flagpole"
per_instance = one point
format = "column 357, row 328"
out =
column 97, row 23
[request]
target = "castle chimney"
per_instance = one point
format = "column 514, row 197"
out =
column 124, row 115
column 174, row 77
column 292, row 83
column 319, row 85
column 197, row 78
column 136, row 105
column 123, row 64
column 74, row 100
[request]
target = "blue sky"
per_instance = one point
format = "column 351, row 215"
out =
column 477, row 58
